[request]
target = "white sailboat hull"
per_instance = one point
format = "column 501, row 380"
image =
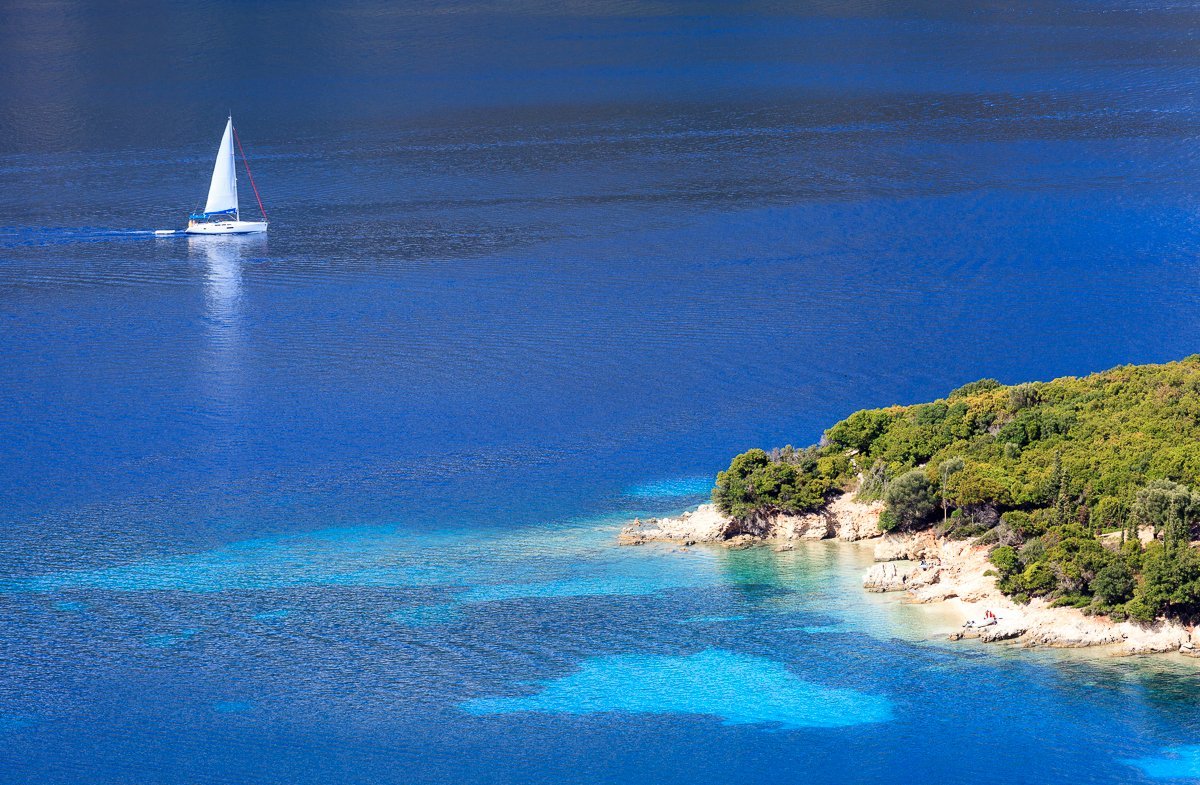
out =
column 227, row 227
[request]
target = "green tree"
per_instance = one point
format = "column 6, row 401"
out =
column 974, row 388
column 1022, row 396
column 874, row 482
column 1037, row 579
column 911, row 498
column 1023, row 523
column 1075, row 556
column 1170, row 580
column 735, row 493
column 754, row 483
column 1170, row 508
column 1109, row 514
column 947, row 469
column 1064, row 504
column 1114, row 583
column 859, row 430
column 1005, row 559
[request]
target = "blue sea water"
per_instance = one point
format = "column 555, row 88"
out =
column 338, row 504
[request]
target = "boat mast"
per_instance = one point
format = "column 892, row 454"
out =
column 237, row 212
column 246, row 163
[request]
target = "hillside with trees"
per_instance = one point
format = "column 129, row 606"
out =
column 1085, row 489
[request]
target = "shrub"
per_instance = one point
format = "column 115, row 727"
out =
column 1075, row 556
column 1000, row 534
column 1170, row 579
column 1033, row 550
column 1023, row 523
column 972, row 522
column 1005, row 559
column 911, row 498
column 755, row 483
column 859, row 430
column 972, row 388
column 1109, row 514
column 1071, row 601
column 1138, row 610
column 1038, row 579
column 874, row 483
column 1023, row 396
column 1113, row 583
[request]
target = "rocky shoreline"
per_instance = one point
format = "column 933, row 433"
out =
column 843, row 519
column 928, row 569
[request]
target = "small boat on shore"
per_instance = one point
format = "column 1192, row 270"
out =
column 221, row 214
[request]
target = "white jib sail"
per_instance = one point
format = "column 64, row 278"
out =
column 222, row 193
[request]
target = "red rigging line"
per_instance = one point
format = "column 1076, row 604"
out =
column 246, row 162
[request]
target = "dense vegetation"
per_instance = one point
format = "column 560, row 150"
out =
column 1082, row 486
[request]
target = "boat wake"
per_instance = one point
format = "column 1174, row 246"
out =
column 15, row 237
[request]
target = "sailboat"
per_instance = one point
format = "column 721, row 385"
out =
column 221, row 214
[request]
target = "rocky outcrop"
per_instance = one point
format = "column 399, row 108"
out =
column 1005, row 631
column 704, row 524
column 811, row 526
column 854, row 520
column 899, row 576
column 912, row 546
column 962, row 572
column 842, row 518
column 962, row 569
column 1038, row 625
column 1061, row 633
column 886, row 577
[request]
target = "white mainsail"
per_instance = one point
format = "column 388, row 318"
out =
column 222, row 193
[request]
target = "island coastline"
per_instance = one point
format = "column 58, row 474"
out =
column 927, row 569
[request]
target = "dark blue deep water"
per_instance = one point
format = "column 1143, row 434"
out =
column 339, row 504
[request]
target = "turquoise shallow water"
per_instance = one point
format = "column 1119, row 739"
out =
column 1175, row 763
column 735, row 687
column 571, row 560
column 684, row 486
